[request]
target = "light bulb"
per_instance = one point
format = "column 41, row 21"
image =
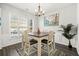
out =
column 35, row 10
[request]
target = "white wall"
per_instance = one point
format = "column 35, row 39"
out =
column 78, row 28
column 6, row 11
column 0, row 31
column 35, row 23
column 66, row 15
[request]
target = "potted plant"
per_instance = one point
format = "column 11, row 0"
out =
column 68, row 33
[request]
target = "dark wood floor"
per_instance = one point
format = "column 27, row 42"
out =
column 7, row 50
column 66, row 49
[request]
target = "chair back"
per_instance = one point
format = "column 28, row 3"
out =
column 25, row 36
column 51, row 42
column 25, row 41
column 51, row 36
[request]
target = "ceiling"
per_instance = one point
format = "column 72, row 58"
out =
column 47, row 7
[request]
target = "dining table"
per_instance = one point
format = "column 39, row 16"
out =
column 39, row 37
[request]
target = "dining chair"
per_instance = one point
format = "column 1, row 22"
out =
column 49, row 43
column 28, row 44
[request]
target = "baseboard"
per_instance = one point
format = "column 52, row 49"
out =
column 77, row 51
column 0, row 48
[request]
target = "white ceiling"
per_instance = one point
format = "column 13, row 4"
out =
column 47, row 7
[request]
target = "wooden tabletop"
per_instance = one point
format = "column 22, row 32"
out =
column 35, row 34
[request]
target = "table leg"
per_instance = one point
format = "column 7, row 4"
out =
column 39, row 47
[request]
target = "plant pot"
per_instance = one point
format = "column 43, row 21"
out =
column 70, row 46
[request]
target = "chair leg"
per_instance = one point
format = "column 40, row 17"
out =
column 29, row 50
column 48, row 49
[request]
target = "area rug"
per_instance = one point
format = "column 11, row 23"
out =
column 56, row 52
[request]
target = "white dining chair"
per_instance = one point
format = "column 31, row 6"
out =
column 49, row 43
column 27, row 44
